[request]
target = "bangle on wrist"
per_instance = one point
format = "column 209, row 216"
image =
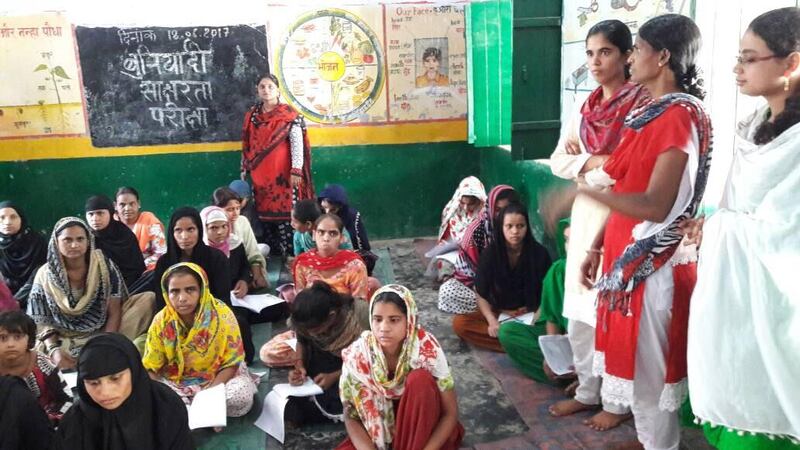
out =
column 594, row 250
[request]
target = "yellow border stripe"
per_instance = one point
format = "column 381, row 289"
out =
column 81, row 146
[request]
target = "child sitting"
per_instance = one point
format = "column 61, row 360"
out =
column 304, row 214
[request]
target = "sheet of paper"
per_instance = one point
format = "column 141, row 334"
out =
column 71, row 379
column 557, row 352
column 526, row 318
column 451, row 257
column 292, row 343
column 306, row 389
column 271, row 418
column 441, row 249
column 208, row 408
column 256, row 303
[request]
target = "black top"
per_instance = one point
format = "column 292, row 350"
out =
column 317, row 361
column 239, row 267
column 152, row 417
column 210, row 259
column 24, row 424
column 506, row 287
column 119, row 244
column 21, row 254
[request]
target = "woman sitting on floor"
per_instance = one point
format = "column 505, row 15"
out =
column 342, row 270
column 185, row 244
column 22, row 251
column 18, row 358
column 333, row 200
column 396, row 386
column 456, row 294
column 325, row 323
column 116, row 240
column 230, row 202
column 520, row 340
column 217, row 235
column 80, row 292
column 509, row 279
column 119, row 406
column 149, row 231
column 304, row 214
column 194, row 342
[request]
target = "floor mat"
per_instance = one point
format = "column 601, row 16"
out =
column 240, row 432
column 383, row 270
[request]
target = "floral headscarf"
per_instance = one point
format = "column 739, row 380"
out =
column 364, row 386
column 455, row 216
column 193, row 355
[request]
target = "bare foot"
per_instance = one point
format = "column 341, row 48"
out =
column 569, row 391
column 630, row 445
column 605, row 420
column 567, row 407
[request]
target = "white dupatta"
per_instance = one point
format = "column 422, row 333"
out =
column 744, row 325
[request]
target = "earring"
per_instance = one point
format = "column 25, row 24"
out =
column 785, row 84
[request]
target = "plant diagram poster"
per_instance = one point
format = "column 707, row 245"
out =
column 40, row 89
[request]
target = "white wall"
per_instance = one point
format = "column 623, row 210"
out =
column 722, row 24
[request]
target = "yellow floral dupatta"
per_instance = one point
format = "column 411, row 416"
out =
column 193, row 355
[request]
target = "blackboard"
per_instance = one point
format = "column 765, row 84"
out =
column 160, row 85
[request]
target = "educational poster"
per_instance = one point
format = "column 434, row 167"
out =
column 372, row 64
column 330, row 62
column 579, row 17
column 427, row 62
column 40, row 91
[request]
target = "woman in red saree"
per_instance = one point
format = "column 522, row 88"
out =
column 277, row 154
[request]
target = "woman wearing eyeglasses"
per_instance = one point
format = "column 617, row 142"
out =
column 745, row 312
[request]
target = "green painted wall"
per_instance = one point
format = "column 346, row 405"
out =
column 400, row 189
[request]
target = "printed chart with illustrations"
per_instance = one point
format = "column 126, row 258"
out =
column 427, row 62
column 371, row 64
column 330, row 64
column 579, row 17
column 40, row 90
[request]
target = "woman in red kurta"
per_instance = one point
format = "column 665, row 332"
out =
column 277, row 154
column 660, row 167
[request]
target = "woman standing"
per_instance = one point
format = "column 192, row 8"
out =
column 660, row 170
column 22, row 251
column 587, row 142
column 277, row 154
column 743, row 326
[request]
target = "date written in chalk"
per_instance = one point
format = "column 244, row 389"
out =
column 198, row 32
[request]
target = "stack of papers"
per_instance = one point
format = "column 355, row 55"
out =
column 256, row 303
column 271, row 418
column 208, row 408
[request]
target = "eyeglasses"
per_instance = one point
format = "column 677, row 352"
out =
column 747, row 60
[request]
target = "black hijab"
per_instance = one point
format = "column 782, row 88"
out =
column 24, row 424
column 213, row 261
column 117, row 241
column 152, row 417
column 506, row 287
column 21, row 254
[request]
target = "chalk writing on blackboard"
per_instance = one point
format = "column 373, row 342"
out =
column 169, row 85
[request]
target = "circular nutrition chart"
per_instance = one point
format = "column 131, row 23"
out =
column 330, row 65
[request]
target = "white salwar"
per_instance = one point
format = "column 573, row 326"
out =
column 744, row 325
column 586, row 220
